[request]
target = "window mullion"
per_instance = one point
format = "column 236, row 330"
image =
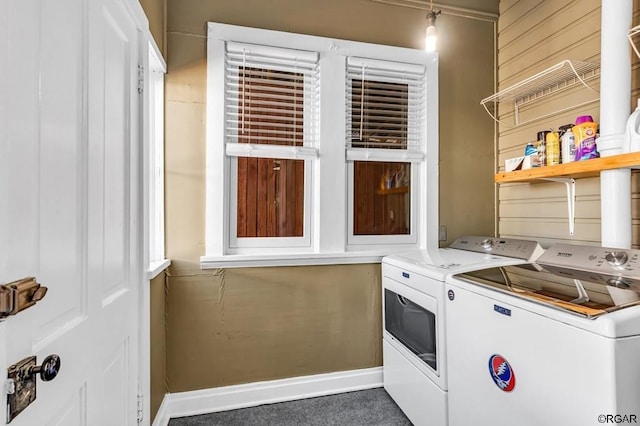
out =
column 330, row 208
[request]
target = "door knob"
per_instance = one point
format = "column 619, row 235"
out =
column 49, row 368
column 21, row 382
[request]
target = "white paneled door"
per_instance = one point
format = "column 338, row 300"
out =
column 70, row 206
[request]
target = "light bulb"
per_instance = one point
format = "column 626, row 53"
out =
column 430, row 39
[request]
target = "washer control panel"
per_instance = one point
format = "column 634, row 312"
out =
column 617, row 258
column 528, row 250
column 619, row 262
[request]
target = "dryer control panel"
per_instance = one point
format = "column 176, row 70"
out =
column 527, row 250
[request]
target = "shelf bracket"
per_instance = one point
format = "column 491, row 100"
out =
column 570, row 183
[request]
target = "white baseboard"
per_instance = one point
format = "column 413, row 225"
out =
column 252, row 394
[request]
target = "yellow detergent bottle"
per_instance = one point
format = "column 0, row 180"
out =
column 553, row 148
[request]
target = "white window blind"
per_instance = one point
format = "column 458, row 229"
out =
column 385, row 108
column 272, row 102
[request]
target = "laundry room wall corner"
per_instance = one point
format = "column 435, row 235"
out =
column 252, row 324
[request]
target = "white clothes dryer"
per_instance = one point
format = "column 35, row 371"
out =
column 413, row 298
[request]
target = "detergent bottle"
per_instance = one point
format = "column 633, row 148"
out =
column 585, row 138
column 568, row 143
column 553, row 148
column 542, row 148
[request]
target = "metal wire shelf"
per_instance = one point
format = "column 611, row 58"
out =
column 558, row 77
column 633, row 32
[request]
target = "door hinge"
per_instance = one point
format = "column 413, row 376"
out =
column 140, row 407
column 20, row 295
column 140, row 79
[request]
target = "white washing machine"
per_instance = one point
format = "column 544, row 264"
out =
column 413, row 298
column 544, row 343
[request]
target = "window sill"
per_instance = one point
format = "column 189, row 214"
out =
column 297, row 259
column 156, row 267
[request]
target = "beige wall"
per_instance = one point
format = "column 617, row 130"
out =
column 467, row 152
column 534, row 35
column 156, row 14
column 242, row 325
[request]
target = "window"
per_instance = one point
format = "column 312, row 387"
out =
column 270, row 123
column 270, row 195
column 385, row 104
column 154, row 162
column 381, row 198
column 318, row 150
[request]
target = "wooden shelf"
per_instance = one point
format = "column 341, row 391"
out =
column 577, row 169
column 399, row 190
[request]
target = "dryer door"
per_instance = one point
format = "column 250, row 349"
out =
column 413, row 325
column 410, row 320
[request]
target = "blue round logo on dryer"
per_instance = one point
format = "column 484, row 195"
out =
column 502, row 373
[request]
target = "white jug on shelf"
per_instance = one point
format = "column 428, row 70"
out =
column 632, row 132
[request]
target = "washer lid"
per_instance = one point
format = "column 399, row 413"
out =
column 574, row 291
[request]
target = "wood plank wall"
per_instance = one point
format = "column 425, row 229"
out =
column 532, row 36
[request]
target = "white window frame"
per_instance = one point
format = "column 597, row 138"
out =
column 154, row 70
column 329, row 196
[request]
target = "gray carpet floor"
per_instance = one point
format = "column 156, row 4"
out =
column 368, row 407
